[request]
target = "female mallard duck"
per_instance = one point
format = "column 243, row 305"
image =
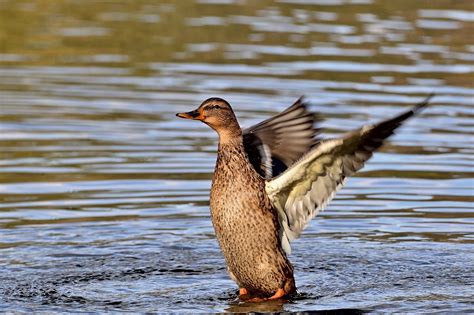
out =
column 256, row 215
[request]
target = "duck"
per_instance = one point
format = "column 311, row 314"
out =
column 271, row 179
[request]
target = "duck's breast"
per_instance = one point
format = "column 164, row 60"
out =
column 247, row 228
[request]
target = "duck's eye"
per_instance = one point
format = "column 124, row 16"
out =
column 214, row 107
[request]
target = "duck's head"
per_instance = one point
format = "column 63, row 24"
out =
column 217, row 114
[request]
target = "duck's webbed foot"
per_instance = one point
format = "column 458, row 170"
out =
column 278, row 294
column 243, row 291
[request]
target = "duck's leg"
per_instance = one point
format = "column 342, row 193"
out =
column 278, row 294
column 243, row 291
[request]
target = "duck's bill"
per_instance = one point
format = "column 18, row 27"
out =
column 190, row 115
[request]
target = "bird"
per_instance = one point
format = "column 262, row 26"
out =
column 271, row 179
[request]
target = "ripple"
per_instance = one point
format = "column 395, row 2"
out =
column 437, row 24
column 459, row 15
column 83, row 31
column 372, row 67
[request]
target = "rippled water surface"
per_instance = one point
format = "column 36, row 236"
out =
column 104, row 193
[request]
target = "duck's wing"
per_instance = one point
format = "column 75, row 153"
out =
column 306, row 187
column 276, row 143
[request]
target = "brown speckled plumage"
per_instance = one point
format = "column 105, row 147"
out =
column 256, row 215
column 246, row 224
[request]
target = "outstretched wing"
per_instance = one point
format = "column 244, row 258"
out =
column 276, row 143
column 306, row 187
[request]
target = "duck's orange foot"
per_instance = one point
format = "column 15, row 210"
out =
column 278, row 295
column 243, row 291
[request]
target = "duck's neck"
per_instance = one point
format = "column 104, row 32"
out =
column 232, row 159
column 231, row 150
column 230, row 135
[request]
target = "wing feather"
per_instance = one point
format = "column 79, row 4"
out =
column 305, row 188
column 284, row 138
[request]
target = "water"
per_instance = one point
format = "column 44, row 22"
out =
column 104, row 193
